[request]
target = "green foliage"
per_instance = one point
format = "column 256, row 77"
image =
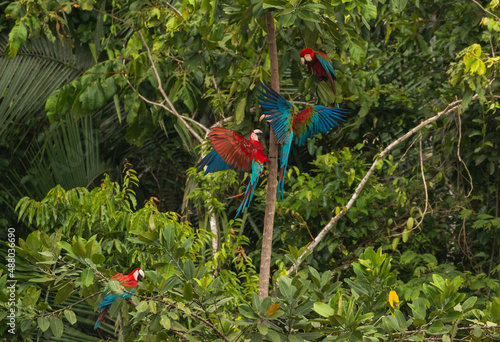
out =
column 314, row 307
column 425, row 225
column 82, row 238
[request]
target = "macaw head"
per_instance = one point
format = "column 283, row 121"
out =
column 256, row 134
column 138, row 274
column 306, row 55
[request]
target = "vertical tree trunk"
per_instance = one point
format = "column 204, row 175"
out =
column 272, row 179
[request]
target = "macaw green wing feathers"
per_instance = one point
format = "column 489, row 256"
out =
column 317, row 119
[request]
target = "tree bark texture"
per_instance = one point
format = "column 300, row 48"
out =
column 272, row 179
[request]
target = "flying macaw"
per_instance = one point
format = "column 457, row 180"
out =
column 287, row 125
column 129, row 283
column 231, row 150
column 318, row 64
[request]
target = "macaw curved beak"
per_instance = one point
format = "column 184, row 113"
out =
column 263, row 116
column 302, row 60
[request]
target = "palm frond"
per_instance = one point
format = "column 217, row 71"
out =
column 69, row 156
column 27, row 80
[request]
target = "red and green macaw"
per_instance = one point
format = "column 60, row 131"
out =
column 129, row 282
column 318, row 64
column 288, row 126
column 231, row 150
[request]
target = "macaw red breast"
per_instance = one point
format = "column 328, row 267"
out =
column 127, row 280
column 259, row 153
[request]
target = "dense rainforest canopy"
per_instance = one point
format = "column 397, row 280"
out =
column 388, row 229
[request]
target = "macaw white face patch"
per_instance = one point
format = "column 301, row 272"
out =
column 137, row 274
column 308, row 58
column 256, row 133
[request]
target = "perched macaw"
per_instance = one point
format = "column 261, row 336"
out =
column 318, row 64
column 231, row 150
column 129, row 283
column 287, row 125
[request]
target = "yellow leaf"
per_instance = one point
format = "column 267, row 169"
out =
column 273, row 308
column 393, row 299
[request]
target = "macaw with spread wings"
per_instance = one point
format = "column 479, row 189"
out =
column 231, row 150
column 288, row 126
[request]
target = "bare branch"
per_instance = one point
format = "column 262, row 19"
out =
column 176, row 11
column 221, row 122
column 160, row 104
column 450, row 108
column 165, row 96
column 484, row 9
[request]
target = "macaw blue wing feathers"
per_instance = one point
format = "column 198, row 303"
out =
column 277, row 110
column 257, row 169
column 213, row 162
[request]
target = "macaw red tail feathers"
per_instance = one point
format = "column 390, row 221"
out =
column 101, row 317
column 238, row 195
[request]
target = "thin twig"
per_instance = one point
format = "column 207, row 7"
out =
column 173, row 9
column 109, row 15
column 69, row 306
column 426, row 196
column 486, row 327
column 425, row 184
column 184, row 337
column 221, row 122
column 458, row 153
